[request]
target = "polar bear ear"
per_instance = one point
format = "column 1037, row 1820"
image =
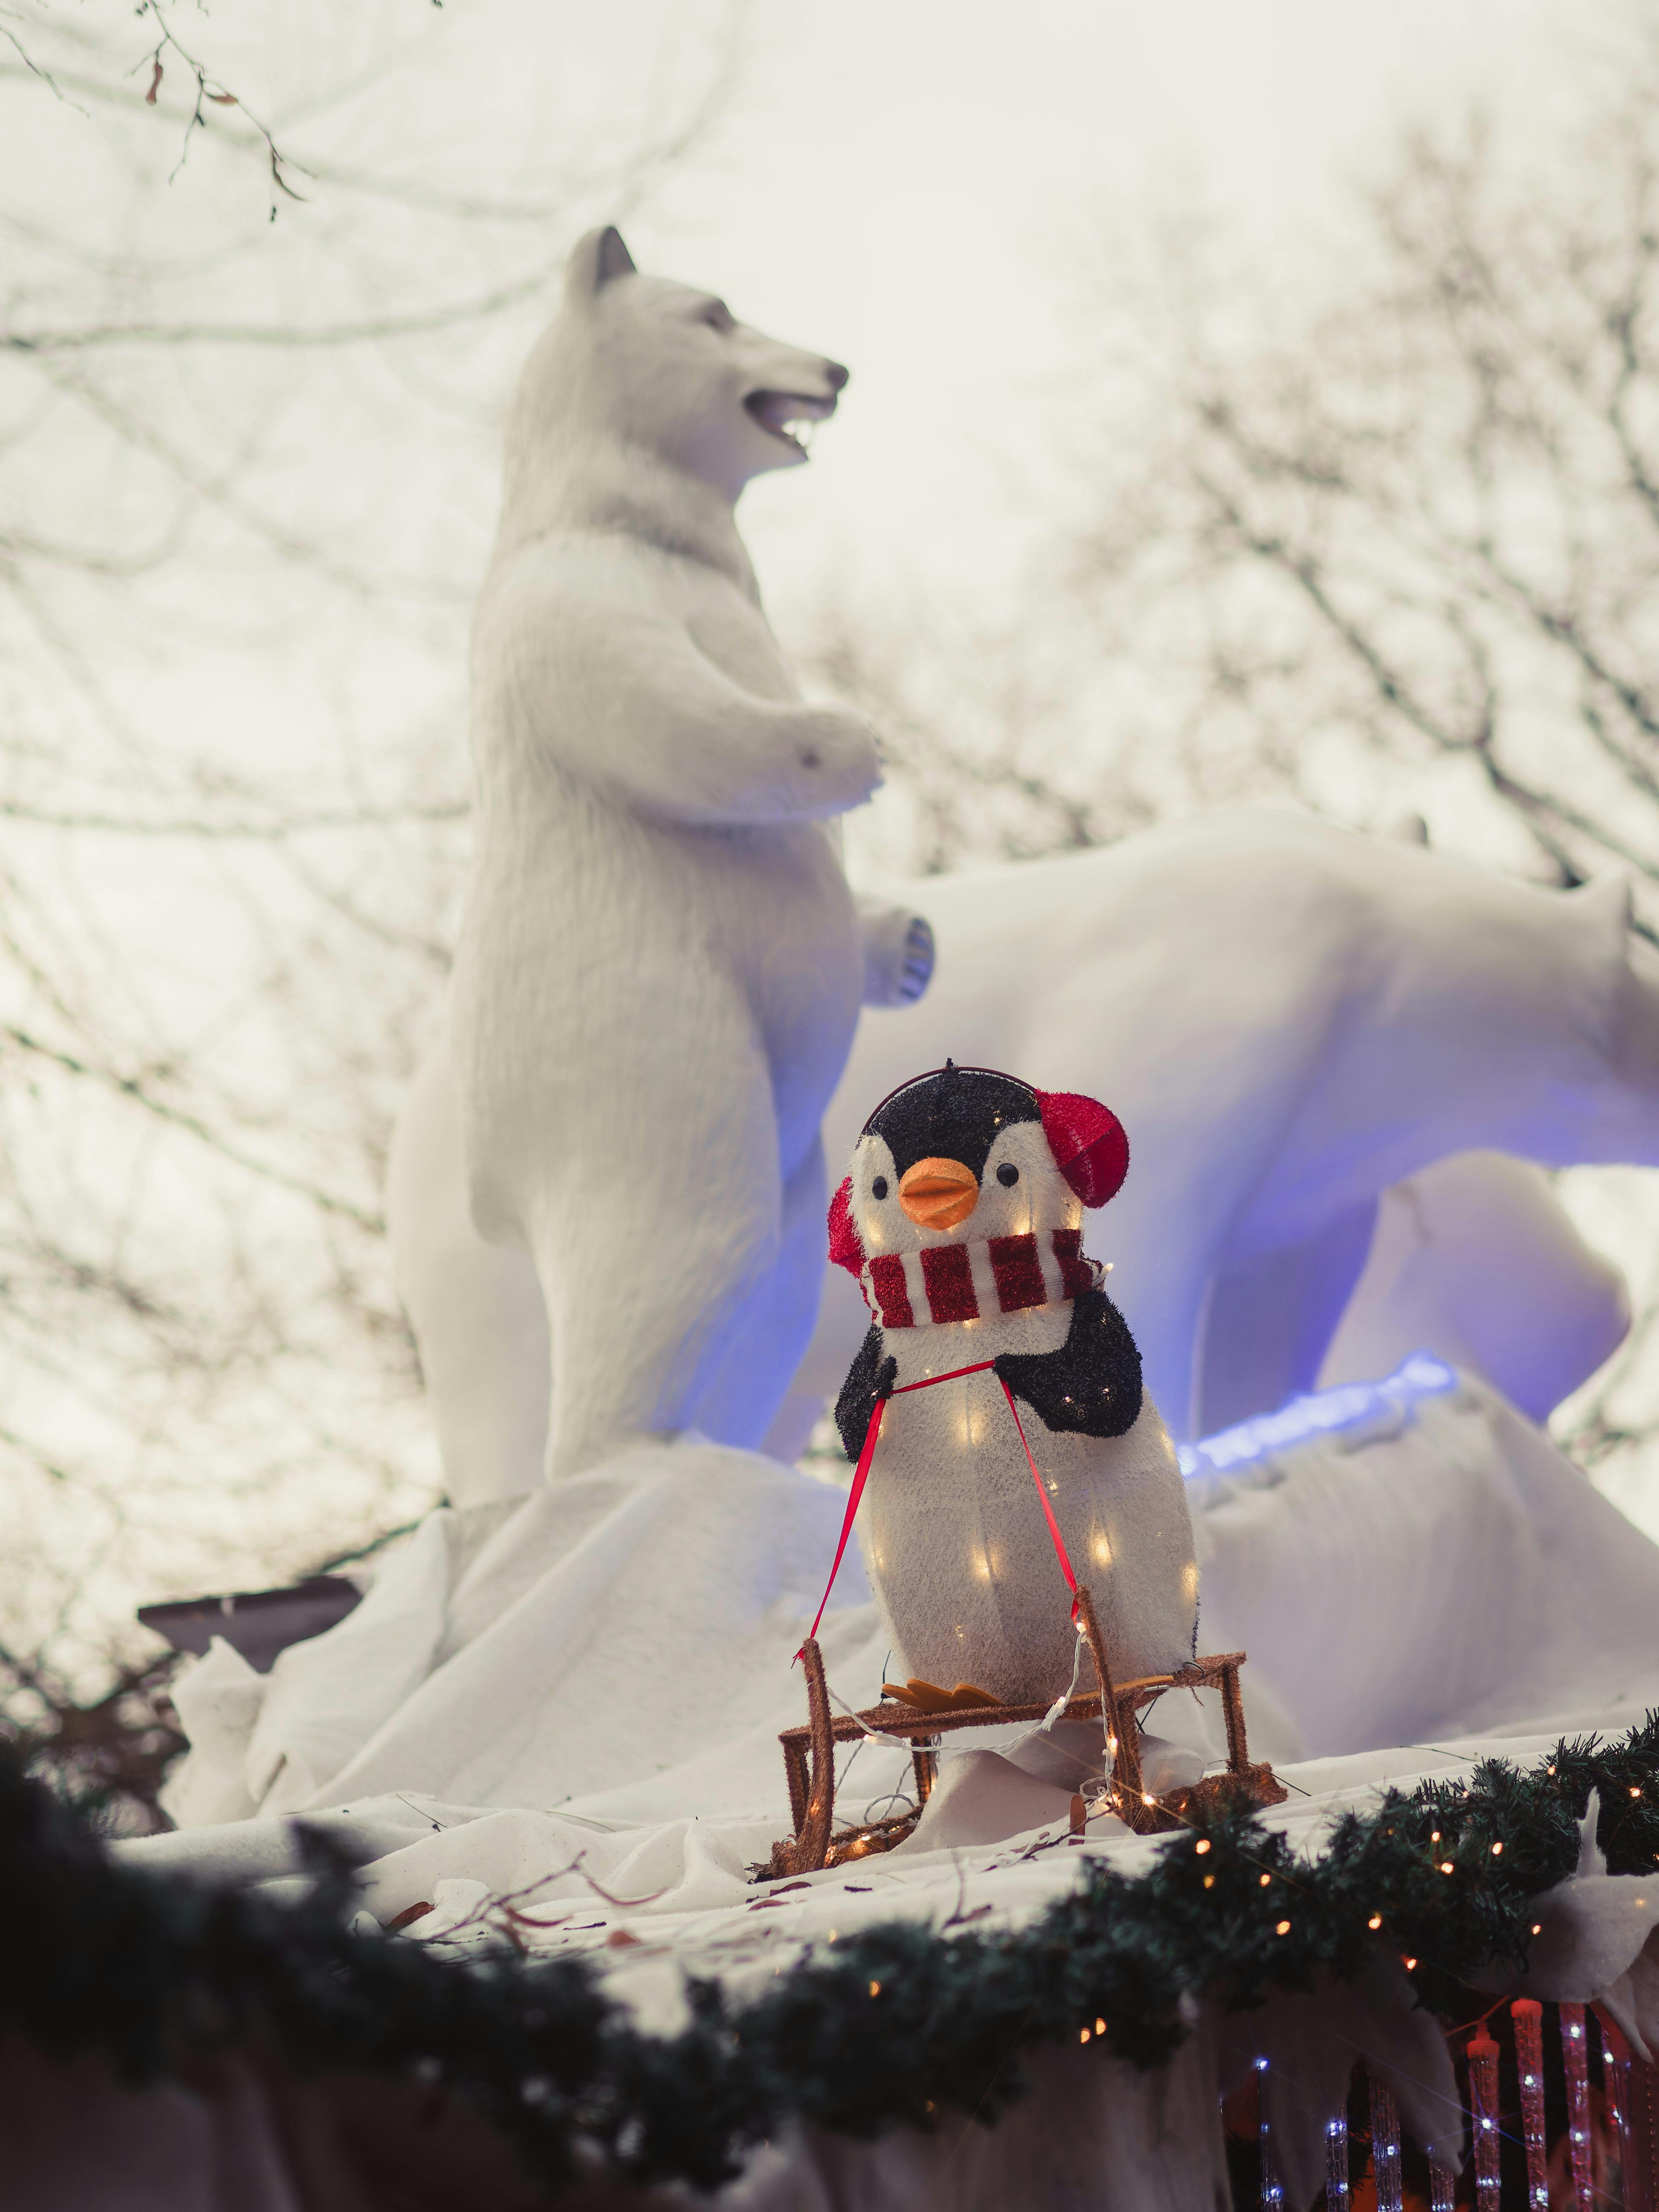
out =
column 1089, row 1143
column 594, row 261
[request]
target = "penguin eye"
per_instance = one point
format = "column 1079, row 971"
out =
column 879, row 1187
column 1008, row 1175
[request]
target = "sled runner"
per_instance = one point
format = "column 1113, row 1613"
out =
column 809, row 1753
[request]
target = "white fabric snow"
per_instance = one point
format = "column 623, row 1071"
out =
column 575, row 1730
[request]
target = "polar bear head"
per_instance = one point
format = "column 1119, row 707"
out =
column 666, row 372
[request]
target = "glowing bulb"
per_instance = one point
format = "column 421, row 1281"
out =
column 1083, row 2037
column 1445, row 1866
column 1201, row 1845
column 1100, row 2028
column 875, row 1989
column 1283, row 1928
column 1265, row 1879
column 1537, row 1927
column 1409, row 1964
column 1498, row 1850
column 1209, row 1881
column 1375, row 1920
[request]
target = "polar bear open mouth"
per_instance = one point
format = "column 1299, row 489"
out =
column 788, row 415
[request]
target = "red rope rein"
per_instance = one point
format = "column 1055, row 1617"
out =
column 862, row 1472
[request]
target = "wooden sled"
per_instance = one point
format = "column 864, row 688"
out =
column 809, row 1755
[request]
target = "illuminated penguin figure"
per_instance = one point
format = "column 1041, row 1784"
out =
column 961, row 1219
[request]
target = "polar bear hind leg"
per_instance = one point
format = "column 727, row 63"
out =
column 475, row 1307
column 652, row 1223
column 769, row 1331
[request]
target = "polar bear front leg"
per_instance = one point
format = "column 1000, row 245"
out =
column 653, row 1218
column 898, row 953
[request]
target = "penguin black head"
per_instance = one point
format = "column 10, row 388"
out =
column 968, row 1152
column 955, row 1112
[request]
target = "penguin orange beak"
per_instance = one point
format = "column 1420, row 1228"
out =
column 938, row 1193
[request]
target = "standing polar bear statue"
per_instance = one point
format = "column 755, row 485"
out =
column 662, row 965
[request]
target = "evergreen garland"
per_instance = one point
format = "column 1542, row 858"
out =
column 884, row 2028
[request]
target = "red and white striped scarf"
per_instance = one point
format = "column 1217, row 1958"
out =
column 992, row 1274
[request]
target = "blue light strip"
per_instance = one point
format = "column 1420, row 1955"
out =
column 1319, row 1413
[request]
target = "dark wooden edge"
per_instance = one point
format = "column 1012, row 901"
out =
column 816, row 1845
column 895, row 1719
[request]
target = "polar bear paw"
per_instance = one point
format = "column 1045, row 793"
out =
column 898, row 955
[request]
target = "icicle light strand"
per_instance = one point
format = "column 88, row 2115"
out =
column 1385, row 2147
column 1575, row 2061
column 1483, row 2105
column 1615, row 2072
column 1338, row 2197
column 1273, row 2188
column 1527, row 2014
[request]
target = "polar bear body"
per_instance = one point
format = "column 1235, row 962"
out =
column 1217, row 979
column 660, row 966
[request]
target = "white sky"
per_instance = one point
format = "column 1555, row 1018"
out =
column 911, row 184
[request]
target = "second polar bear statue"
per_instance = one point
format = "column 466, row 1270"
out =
column 662, row 965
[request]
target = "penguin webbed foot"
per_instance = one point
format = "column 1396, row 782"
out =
column 1092, row 1385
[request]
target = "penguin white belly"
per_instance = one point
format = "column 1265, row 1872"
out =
column 957, row 1545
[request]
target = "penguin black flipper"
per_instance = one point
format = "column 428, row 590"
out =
column 868, row 1378
column 1092, row 1385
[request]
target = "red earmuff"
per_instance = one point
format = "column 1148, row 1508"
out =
column 846, row 1250
column 1090, row 1143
